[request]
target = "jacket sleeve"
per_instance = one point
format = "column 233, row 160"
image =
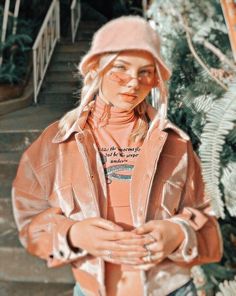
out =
column 43, row 229
column 203, row 240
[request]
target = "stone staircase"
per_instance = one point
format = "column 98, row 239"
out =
column 21, row 273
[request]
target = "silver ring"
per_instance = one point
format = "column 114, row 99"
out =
column 148, row 258
column 108, row 253
column 146, row 247
column 149, row 254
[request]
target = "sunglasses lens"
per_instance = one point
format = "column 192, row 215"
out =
column 124, row 78
column 120, row 77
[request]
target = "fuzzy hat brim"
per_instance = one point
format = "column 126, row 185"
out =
column 125, row 33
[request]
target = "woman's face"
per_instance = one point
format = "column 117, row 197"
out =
column 128, row 80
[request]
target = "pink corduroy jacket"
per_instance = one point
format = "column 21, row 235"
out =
column 60, row 180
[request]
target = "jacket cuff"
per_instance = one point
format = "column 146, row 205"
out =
column 187, row 250
column 62, row 250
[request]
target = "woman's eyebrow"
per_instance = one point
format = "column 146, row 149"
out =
column 125, row 62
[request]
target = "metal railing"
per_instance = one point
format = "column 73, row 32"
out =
column 44, row 45
column 75, row 17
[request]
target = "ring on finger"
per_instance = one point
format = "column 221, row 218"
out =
column 152, row 237
column 148, row 258
column 147, row 248
column 149, row 254
column 108, row 253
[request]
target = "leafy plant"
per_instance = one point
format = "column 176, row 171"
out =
column 15, row 51
column 202, row 89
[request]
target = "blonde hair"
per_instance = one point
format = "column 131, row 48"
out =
column 90, row 88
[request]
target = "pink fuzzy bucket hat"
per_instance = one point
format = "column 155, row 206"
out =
column 125, row 33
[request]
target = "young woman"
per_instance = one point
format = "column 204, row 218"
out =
column 115, row 188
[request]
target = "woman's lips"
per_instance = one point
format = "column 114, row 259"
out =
column 129, row 97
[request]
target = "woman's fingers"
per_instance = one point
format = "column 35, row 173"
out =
column 117, row 246
column 141, row 241
column 155, row 258
column 105, row 224
column 128, row 254
column 120, row 261
column 118, row 235
column 155, row 247
column 145, row 228
column 117, row 250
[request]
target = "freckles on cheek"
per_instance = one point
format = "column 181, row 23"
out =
column 109, row 88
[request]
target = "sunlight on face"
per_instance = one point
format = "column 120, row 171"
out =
column 128, row 80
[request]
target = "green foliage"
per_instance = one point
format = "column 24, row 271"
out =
column 15, row 51
column 203, row 108
column 219, row 121
column 15, row 58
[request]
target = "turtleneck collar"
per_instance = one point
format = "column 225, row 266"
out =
column 104, row 114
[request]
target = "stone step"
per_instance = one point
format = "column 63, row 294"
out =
column 67, row 101
column 72, row 48
column 73, row 57
column 5, row 190
column 63, row 66
column 16, row 263
column 90, row 24
column 57, row 76
column 36, row 289
column 84, row 35
column 18, row 129
column 7, row 223
column 17, row 140
column 8, row 167
column 59, row 87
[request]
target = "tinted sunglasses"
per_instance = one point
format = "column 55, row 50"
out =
column 123, row 78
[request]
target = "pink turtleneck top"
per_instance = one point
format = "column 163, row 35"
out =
column 111, row 128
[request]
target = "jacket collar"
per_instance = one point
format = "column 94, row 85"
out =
column 79, row 125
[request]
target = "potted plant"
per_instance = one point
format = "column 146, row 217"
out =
column 15, row 58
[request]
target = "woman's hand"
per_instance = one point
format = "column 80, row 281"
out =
column 105, row 239
column 167, row 236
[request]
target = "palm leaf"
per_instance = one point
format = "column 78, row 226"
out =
column 219, row 122
column 229, row 182
column 232, row 136
column 203, row 103
column 227, row 288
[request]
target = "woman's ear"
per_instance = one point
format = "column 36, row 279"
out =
column 93, row 74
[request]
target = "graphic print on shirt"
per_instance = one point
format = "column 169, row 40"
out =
column 118, row 162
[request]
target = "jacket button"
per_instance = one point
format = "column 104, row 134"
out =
column 189, row 251
column 81, row 139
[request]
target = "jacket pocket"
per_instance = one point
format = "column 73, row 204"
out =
column 64, row 198
column 171, row 196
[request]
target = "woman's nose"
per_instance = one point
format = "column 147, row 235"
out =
column 134, row 82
